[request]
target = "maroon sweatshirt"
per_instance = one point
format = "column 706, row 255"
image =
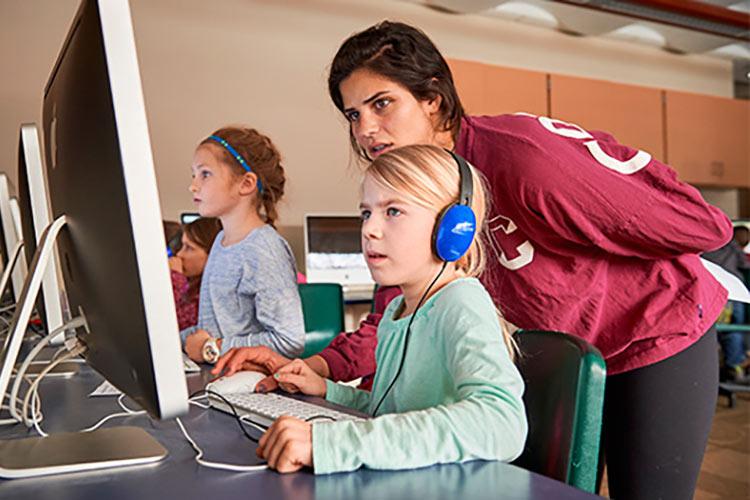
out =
column 593, row 238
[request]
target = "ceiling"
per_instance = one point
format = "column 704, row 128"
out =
column 717, row 28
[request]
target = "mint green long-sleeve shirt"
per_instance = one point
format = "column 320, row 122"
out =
column 458, row 396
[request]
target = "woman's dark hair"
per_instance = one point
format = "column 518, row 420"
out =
column 405, row 55
column 202, row 232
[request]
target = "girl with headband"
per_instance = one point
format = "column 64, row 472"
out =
column 248, row 294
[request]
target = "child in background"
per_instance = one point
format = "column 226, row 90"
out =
column 248, row 294
column 187, row 267
column 446, row 389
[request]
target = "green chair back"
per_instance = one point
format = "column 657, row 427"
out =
column 564, row 400
column 323, row 310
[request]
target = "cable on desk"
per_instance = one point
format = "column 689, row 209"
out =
column 20, row 375
column 127, row 413
column 13, row 421
column 237, row 416
column 216, row 465
column 35, row 386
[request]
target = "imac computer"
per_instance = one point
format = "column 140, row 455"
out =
column 333, row 254
column 14, row 271
column 107, row 226
column 34, row 217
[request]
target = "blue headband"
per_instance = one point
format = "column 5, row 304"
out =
column 237, row 157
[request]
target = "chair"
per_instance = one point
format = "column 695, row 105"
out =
column 323, row 310
column 564, row 400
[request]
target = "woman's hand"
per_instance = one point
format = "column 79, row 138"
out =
column 258, row 359
column 194, row 345
column 297, row 376
column 287, row 444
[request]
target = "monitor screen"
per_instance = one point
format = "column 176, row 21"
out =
column 101, row 177
column 334, row 234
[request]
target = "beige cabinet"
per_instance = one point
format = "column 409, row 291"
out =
column 705, row 139
column 708, row 139
column 494, row 90
column 632, row 114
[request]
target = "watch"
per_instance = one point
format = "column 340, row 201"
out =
column 210, row 351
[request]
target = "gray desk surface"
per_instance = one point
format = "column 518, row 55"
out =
column 67, row 407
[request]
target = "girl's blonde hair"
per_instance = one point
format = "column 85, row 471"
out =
column 264, row 161
column 428, row 176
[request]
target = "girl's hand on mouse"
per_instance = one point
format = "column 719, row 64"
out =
column 287, row 445
column 297, row 376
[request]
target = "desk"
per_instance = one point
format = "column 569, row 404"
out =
column 67, row 407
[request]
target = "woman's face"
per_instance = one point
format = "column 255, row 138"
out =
column 193, row 257
column 384, row 115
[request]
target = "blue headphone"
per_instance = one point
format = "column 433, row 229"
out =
column 456, row 224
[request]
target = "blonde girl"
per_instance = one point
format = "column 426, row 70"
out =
column 446, row 389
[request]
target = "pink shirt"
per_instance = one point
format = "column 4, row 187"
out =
column 187, row 307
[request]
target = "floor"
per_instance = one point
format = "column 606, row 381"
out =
column 725, row 473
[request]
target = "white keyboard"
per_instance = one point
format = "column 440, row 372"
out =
column 189, row 365
column 263, row 409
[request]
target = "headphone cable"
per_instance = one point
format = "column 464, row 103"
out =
column 408, row 334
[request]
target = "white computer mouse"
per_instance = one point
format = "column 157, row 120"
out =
column 243, row 381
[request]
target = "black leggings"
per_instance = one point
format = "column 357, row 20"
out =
column 656, row 424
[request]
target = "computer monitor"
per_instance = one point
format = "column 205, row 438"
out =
column 12, row 237
column 101, row 178
column 107, row 224
column 34, row 216
column 333, row 250
column 15, row 213
column 188, row 217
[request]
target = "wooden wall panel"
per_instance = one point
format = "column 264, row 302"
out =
column 494, row 90
column 708, row 139
column 632, row 114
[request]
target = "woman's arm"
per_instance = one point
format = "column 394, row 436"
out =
column 579, row 190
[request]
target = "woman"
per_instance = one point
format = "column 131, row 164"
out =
column 593, row 238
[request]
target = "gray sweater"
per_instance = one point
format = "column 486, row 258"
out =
column 249, row 295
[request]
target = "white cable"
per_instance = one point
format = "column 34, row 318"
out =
column 33, row 392
column 120, row 399
column 127, row 413
column 7, row 308
column 35, row 385
column 199, row 405
column 74, row 323
column 13, row 421
column 101, row 422
column 216, row 465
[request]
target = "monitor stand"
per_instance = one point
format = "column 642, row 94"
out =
column 12, row 261
column 78, row 451
column 71, row 451
column 62, row 370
